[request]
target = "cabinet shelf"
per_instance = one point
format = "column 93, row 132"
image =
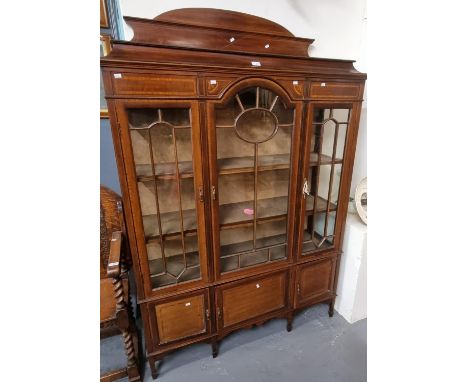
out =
column 247, row 246
column 230, row 215
column 266, row 163
column 226, row 166
column 242, row 255
column 164, row 171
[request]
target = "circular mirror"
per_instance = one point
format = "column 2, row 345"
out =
column 361, row 200
column 256, row 125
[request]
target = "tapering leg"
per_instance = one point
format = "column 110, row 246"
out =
column 290, row 322
column 153, row 367
column 331, row 308
column 214, row 348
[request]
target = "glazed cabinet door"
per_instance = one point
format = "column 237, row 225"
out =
column 161, row 147
column 324, row 160
column 251, row 138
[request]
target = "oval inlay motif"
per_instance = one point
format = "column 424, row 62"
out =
column 256, row 125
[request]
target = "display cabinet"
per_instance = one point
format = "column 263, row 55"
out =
column 235, row 153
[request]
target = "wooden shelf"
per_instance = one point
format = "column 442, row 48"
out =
column 268, row 210
column 246, row 246
column 324, row 159
column 230, row 215
column 164, row 171
column 311, row 246
column 226, row 166
column 246, row 164
column 230, row 253
column 320, row 207
column 170, row 222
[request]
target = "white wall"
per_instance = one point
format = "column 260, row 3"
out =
column 338, row 26
column 351, row 300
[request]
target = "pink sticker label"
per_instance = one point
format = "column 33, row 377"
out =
column 248, row 211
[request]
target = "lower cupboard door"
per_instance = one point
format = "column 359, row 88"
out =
column 314, row 281
column 181, row 317
column 242, row 301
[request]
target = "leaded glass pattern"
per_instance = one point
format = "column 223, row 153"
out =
column 321, row 186
column 162, row 151
column 253, row 138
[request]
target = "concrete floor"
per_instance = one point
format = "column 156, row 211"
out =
column 319, row 349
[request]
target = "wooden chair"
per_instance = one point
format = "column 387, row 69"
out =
column 116, row 307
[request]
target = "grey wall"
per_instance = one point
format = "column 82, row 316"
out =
column 109, row 176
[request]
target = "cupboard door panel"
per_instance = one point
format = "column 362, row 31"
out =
column 326, row 131
column 315, row 280
column 252, row 299
column 164, row 153
column 182, row 318
column 251, row 167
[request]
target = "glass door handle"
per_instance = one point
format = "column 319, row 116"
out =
column 305, row 189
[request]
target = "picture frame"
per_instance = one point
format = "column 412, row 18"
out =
column 104, row 21
column 105, row 48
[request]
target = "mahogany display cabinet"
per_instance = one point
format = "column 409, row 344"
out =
column 235, row 152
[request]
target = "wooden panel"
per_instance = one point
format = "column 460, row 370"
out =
column 220, row 18
column 198, row 37
column 114, row 375
column 181, row 318
column 253, row 298
column 294, row 87
column 216, row 85
column 127, row 54
column 332, row 90
column 315, row 279
column 153, row 84
column 108, row 303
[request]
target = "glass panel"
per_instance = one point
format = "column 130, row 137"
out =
column 272, row 233
column 284, row 114
column 248, row 97
column 236, row 198
column 162, row 151
column 253, row 135
column 322, row 184
column 256, row 125
column 342, row 117
column 272, row 194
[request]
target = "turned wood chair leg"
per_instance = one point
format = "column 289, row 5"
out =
column 214, row 348
column 123, row 322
